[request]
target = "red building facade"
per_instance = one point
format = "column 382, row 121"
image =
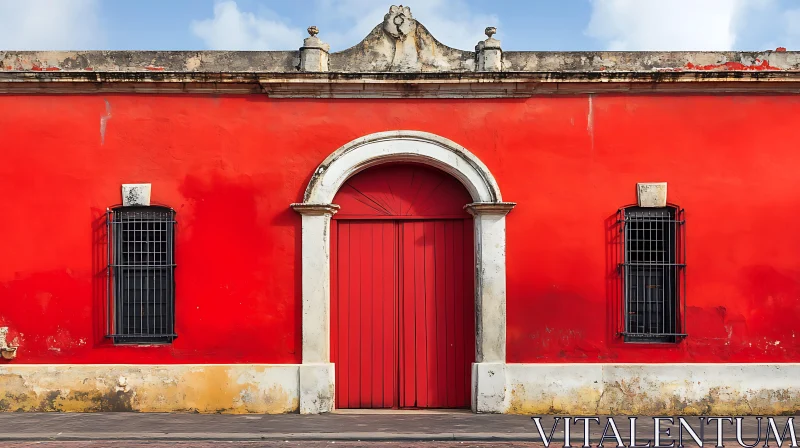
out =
column 437, row 228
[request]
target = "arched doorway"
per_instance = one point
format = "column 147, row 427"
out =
column 317, row 377
column 402, row 300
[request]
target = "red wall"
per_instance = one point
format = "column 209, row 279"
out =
column 230, row 166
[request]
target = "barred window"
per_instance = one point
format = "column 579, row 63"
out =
column 652, row 274
column 141, row 274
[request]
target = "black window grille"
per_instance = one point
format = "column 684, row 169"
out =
column 141, row 274
column 653, row 274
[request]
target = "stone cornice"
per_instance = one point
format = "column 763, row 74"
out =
column 399, row 58
column 400, row 85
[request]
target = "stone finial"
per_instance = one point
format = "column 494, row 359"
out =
column 314, row 52
column 489, row 53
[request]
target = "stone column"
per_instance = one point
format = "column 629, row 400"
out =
column 317, row 372
column 489, row 369
column 489, row 53
column 314, row 53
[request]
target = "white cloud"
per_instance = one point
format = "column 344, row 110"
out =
column 791, row 21
column 670, row 24
column 49, row 25
column 232, row 29
column 452, row 22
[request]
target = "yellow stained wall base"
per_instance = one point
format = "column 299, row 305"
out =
column 235, row 389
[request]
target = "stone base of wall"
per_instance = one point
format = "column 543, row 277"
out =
column 653, row 389
column 538, row 389
column 236, row 389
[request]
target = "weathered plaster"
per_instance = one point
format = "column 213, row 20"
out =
column 317, row 388
column 136, row 194
column 651, row 194
column 489, row 388
column 401, row 44
column 398, row 58
column 235, row 389
column 654, row 389
column 490, row 279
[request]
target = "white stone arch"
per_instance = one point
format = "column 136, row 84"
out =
column 394, row 146
column 488, row 373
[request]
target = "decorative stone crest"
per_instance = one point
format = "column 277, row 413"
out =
column 401, row 44
column 399, row 22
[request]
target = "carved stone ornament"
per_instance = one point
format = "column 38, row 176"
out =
column 398, row 22
column 401, row 44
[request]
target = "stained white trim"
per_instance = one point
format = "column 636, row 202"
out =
column 394, row 146
column 489, row 210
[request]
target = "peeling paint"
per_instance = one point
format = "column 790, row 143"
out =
column 735, row 66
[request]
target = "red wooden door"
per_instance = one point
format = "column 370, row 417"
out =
column 364, row 313
column 402, row 296
column 438, row 326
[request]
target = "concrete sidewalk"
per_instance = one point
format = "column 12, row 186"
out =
column 338, row 426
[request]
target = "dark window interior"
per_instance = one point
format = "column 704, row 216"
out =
column 651, row 274
column 143, row 263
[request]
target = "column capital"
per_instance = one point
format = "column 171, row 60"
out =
column 315, row 209
column 489, row 208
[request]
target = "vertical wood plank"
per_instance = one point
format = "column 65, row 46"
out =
column 441, row 314
column 389, row 316
column 343, row 268
column 450, row 312
column 424, row 284
column 378, row 308
column 409, row 367
column 367, row 336
column 428, row 347
column 461, row 264
column 354, row 368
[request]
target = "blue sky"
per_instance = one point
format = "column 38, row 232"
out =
column 547, row 25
